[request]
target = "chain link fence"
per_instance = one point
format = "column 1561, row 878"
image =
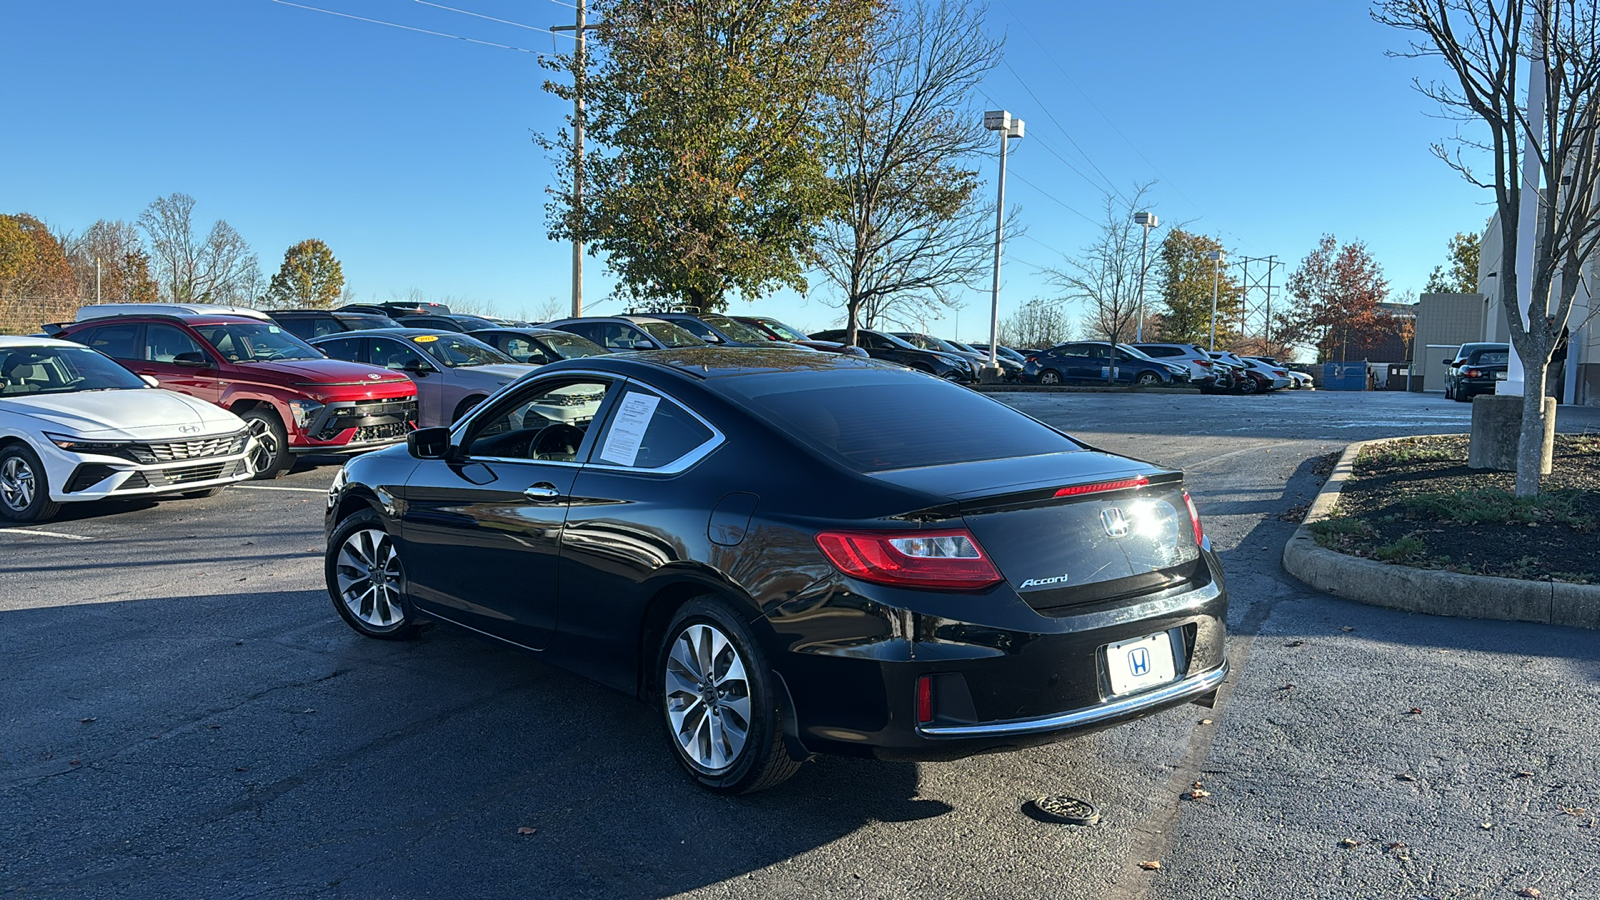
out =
column 27, row 315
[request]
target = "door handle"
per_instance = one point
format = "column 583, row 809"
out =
column 542, row 491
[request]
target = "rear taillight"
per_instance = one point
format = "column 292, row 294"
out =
column 1030, row 359
column 1280, row 373
column 1118, row 485
column 1203, row 362
column 942, row 560
column 1194, row 519
column 924, row 699
column 1472, row 373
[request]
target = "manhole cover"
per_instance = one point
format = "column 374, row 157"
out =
column 1064, row 810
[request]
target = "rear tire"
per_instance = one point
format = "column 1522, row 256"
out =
column 271, row 457
column 718, row 701
column 24, row 487
column 465, row 407
column 1249, row 385
column 1049, row 376
column 1148, row 378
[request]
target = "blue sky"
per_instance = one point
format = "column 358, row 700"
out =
column 1265, row 123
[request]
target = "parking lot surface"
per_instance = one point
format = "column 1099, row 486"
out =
column 184, row 714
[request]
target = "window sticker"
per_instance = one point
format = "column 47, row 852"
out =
column 628, row 428
column 425, row 338
column 273, row 329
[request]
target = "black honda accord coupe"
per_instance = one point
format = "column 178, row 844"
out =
column 792, row 553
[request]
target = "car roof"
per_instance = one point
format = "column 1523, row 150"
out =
column 17, row 340
column 185, row 318
column 712, row 362
column 392, row 332
column 534, row 330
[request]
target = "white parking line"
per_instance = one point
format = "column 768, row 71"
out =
column 262, row 487
column 35, row 531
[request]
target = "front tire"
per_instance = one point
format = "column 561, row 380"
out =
column 366, row 579
column 1249, row 385
column 718, row 703
column 465, row 407
column 1147, row 379
column 271, row 457
column 24, row 487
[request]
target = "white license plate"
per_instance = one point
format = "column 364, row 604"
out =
column 1140, row 663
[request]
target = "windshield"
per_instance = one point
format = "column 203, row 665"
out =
column 1134, row 353
column 920, row 341
column 571, row 346
column 784, row 331
column 362, row 321
column 739, row 331
column 252, row 342
column 60, row 370
column 670, row 334
column 454, row 350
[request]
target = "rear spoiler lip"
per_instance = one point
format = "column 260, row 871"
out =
column 54, row 329
column 1035, row 494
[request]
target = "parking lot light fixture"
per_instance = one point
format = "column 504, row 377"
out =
column 1217, row 258
column 1001, row 121
column 1148, row 220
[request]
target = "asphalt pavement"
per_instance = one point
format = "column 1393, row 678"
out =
column 184, row 714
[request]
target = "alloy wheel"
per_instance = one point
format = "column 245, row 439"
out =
column 17, row 484
column 266, row 445
column 370, row 578
column 708, row 697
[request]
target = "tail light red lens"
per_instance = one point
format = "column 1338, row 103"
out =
column 1203, row 362
column 1119, row 484
column 1194, row 519
column 947, row 559
column 924, row 700
column 1473, row 373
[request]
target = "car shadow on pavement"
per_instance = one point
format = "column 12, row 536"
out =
column 190, row 745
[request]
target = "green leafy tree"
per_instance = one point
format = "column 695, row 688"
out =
column 1185, row 277
column 310, row 278
column 36, row 281
column 1462, row 275
column 707, row 177
column 1336, row 290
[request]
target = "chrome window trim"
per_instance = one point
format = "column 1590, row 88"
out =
column 676, row 467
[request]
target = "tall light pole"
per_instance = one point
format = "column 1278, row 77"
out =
column 580, row 68
column 1217, row 258
column 1149, row 221
column 1001, row 121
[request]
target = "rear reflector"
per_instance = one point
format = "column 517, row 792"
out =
column 924, row 699
column 1194, row 519
column 943, row 560
column 1118, row 485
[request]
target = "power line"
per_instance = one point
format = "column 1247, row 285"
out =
column 993, row 103
column 408, row 27
column 1064, row 132
column 1053, row 197
column 468, row 12
column 1097, row 109
column 1042, row 244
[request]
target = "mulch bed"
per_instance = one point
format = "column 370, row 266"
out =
column 1415, row 502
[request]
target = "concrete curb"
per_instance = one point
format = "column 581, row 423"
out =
column 1428, row 590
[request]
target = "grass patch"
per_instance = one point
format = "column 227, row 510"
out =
column 1419, row 450
column 1491, row 506
column 1408, row 549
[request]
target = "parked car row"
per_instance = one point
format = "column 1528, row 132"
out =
column 1157, row 364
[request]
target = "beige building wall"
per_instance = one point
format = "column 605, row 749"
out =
column 1583, row 353
column 1444, row 320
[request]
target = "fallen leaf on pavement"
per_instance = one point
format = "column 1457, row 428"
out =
column 1295, row 644
column 1397, row 845
column 1347, row 843
column 1414, row 711
column 1150, row 865
column 86, row 721
column 1346, row 628
column 1529, row 892
column 1404, row 777
column 526, row 830
column 1205, row 721
column 1523, row 775
column 1486, row 825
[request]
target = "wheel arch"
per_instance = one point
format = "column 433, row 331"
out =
column 355, row 499
column 665, row 602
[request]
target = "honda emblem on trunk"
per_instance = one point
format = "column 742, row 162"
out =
column 1116, row 524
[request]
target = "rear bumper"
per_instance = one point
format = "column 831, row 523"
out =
column 1020, row 678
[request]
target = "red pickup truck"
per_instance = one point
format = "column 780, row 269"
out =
column 295, row 399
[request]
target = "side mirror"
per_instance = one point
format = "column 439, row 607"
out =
column 429, row 443
column 418, row 367
column 193, row 358
column 714, row 338
column 1449, row 362
column 150, row 380
column 643, row 345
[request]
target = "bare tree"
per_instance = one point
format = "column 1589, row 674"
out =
column 902, row 142
column 1039, row 323
column 218, row 269
column 1485, row 43
column 1106, row 277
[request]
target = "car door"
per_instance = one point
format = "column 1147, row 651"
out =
column 400, row 355
column 636, row 512
column 179, row 362
column 485, row 527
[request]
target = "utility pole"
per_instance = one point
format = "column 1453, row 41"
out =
column 97, row 279
column 580, row 69
column 1272, row 260
column 1217, row 258
column 1001, row 121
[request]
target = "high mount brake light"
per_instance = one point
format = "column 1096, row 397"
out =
column 945, row 559
column 1120, row 484
column 1194, row 519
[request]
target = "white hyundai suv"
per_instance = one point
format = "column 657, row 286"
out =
column 76, row 426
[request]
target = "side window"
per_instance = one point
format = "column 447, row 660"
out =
column 1099, row 352
column 523, row 350
column 322, row 325
column 299, row 326
column 869, row 341
column 590, row 330
column 648, row 431
column 344, row 348
column 115, row 341
column 697, row 328
column 548, row 421
column 392, row 354
column 165, row 343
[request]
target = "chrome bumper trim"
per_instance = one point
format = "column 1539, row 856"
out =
column 1186, row 689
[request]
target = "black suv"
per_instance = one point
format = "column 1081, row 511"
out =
column 949, row 366
column 306, row 324
column 622, row 333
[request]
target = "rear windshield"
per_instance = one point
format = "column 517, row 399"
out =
column 894, row 420
column 1491, row 358
column 670, row 334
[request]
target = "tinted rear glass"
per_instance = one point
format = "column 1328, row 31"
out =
column 893, row 420
column 1491, row 358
